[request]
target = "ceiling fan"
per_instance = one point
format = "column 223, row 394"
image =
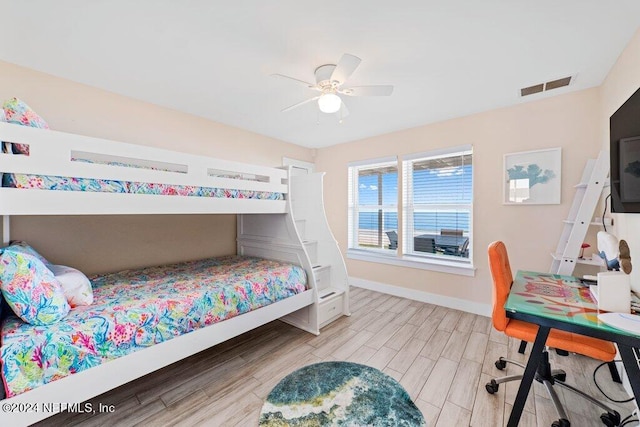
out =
column 329, row 81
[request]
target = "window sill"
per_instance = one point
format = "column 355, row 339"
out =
column 443, row 266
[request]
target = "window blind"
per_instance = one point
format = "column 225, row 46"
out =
column 437, row 204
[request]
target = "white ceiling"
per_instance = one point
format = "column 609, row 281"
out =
column 214, row 59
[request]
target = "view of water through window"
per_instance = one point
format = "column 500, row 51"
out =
column 436, row 193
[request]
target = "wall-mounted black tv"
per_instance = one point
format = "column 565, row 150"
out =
column 624, row 127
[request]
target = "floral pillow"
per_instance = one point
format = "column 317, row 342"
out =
column 16, row 111
column 31, row 289
column 23, row 247
column 75, row 285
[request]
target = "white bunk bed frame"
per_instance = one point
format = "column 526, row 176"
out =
column 269, row 234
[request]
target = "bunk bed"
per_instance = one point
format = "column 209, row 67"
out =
column 66, row 174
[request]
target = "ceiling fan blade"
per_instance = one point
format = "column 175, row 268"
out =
column 380, row 90
column 300, row 103
column 346, row 66
column 301, row 82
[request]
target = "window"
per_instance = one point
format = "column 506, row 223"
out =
column 434, row 229
column 373, row 205
column 437, row 204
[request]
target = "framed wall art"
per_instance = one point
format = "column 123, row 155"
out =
column 532, row 177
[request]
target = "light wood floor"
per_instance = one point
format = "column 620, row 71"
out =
column 443, row 358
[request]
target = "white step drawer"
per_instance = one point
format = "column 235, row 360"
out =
column 330, row 309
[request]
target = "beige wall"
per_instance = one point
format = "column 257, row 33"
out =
column 623, row 80
column 99, row 244
column 531, row 232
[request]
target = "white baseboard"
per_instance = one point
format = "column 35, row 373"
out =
column 450, row 302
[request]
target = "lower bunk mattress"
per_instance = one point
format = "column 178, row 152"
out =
column 135, row 309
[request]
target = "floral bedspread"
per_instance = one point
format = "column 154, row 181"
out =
column 135, row 309
column 49, row 182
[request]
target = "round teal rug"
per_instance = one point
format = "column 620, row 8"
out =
column 339, row 394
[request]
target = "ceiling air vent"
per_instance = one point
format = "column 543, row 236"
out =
column 542, row 87
column 532, row 89
column 555, row 84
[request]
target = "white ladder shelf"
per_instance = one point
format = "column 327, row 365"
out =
column 580, row 216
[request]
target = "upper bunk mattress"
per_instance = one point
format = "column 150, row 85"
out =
column 49, row 182
column 135, row 309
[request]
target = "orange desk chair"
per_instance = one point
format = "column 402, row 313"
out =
column 570, row 342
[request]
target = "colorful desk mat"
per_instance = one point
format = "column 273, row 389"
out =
column 562, row 298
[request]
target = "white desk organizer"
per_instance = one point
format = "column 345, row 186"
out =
column 614, row 292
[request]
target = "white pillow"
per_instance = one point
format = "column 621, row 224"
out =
column 76, row 286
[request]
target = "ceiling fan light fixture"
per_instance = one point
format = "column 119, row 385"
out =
column 329, row 103
column 329, row 89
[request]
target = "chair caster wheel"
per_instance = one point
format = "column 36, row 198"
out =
column 500, row 364
column 610, row 420
column 491, row 387
column 562, row 422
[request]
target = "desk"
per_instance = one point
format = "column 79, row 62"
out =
column 444, row 241
column 564, row 303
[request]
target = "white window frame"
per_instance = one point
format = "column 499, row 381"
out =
column 354, row 205
column 446, row 264
column 409, row 207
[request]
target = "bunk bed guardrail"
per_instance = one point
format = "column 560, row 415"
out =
column 59, row 154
